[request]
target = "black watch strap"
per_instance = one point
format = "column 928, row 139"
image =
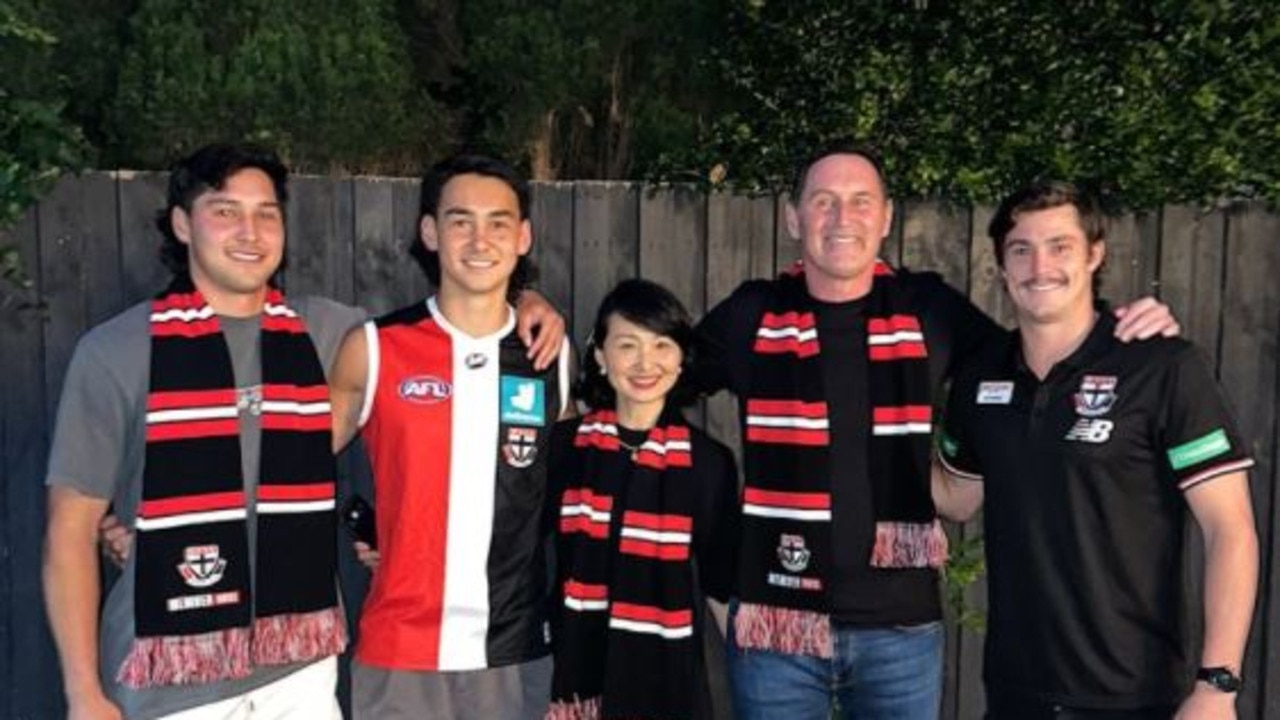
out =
column 1220, row 678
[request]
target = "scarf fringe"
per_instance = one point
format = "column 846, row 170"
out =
column 231, row 654
column 575, row 709
column 909, row 545
column 782, row 630
column 299, row 637
column 186, row 660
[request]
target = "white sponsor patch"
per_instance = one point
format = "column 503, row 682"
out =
column 995, row 392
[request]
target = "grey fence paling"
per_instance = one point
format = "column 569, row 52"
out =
column 88, row 250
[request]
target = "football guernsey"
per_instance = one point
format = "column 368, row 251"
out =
column 456, row 429
column 1084, row 518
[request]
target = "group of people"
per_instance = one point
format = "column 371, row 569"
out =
column 533, row 563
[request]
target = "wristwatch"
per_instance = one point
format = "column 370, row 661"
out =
column 1220, row 678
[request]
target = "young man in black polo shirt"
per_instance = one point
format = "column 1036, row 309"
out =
column 1089, row 450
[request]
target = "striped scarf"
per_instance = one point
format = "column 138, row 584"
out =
column 198, row 617
column 624, row 644
column 786, row 548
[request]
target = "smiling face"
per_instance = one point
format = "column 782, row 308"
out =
column 641, row 366
column 840, row 219
column 1049, row 264
column 479, row 234
column 235, row 239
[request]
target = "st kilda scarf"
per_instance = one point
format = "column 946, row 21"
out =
column 786, row 548
column 198, row 617
column 624, row 639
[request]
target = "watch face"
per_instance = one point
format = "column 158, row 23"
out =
column 1220, row 678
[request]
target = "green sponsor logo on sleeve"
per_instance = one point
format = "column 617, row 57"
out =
column 949, row 445
column 1199, row 450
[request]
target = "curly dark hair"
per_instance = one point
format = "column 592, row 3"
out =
column 208, row 169
column 654, row 308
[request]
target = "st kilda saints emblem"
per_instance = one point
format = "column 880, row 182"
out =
column 1097, row 395
column 521, row 448
column 792, row 553
column 202, row 565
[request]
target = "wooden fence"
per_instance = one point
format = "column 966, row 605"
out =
column 89, row 249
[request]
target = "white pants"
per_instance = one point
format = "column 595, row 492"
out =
column 308, row 694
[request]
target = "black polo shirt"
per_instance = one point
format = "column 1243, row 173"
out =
column 1084, row 513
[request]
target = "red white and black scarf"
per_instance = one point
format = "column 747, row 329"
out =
column 786, row 548
column 625, row 645
column 198, row 616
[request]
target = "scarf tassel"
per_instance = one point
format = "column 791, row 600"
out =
column 230, row 654
column 187, row 660
column 300, row 637
column 575, row 709
column 909, row 545
column 782, row 630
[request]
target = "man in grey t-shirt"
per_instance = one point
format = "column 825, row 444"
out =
column 224, row 230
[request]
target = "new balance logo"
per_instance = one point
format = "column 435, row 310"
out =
column 1090, row 431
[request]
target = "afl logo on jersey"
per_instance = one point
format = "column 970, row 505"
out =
column 425, row 389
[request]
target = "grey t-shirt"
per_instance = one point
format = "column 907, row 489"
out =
column 98, row 449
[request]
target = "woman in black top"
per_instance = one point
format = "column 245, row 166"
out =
column 645, row 509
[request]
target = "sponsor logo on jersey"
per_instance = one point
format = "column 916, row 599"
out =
column 425, row 389
column 521, row 448
column 1090, row 431
column 475, row 360
column 202, row 565
column 792, row 553
column 995, row 392
column 524, row 401
column 1097, row 395
column 1199, row 450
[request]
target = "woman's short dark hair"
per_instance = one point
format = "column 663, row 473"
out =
column 207, row 169
column 654, row 308
column 433, row 182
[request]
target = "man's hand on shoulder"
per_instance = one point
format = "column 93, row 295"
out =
column 541, row 327
column 1145, row 318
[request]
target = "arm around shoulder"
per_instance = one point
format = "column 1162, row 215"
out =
column 956, row 498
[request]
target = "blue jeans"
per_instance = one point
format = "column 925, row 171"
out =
column 874, row 674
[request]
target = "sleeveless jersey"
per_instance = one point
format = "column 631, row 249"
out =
column 456, row 429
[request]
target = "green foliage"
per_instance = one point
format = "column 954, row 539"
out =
column 965, row 565
column 586, row 88
column 1166, row 100
column 327, row 82
column 37, row 144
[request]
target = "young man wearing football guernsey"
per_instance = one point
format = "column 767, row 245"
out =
column 1089, row 452
column 455, row 419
